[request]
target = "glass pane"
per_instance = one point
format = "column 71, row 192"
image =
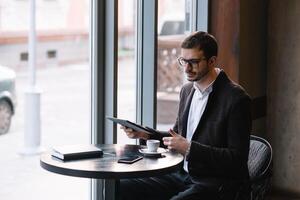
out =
column 126, row 66
column 172, row 23
column 63, row 76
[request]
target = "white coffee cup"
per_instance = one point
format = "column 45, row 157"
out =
column 152, row 145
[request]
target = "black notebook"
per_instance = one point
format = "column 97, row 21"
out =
column 74, row 152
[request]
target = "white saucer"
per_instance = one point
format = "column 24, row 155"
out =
column 146, row 152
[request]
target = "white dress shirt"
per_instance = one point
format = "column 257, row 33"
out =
column 197, row 108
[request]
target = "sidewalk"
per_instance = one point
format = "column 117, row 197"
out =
column 65, row 119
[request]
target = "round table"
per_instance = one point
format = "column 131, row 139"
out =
column 107, row 166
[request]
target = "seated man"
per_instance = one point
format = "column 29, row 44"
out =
column 212, row 131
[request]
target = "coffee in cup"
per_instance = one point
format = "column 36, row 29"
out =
column 152, row 145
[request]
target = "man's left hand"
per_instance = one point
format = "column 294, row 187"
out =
column 176, row 142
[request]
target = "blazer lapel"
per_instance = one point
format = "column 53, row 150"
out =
column 186, row 111
column 211, row 99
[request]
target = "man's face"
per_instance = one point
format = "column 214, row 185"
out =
column 195, row 64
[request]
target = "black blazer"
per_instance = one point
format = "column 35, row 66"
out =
column 220, row 144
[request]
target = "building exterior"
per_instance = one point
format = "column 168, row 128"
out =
column 62, row 32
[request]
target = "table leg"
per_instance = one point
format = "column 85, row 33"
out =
column 111, row 189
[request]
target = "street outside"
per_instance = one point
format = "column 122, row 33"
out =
column 65, row 119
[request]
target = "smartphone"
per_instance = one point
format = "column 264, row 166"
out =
column 129, row 159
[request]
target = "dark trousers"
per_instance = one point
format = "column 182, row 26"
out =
column 175, row 186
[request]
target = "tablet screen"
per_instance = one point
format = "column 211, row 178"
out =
column 129, row 124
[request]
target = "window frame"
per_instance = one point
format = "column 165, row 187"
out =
column 146, row 62
column 104, row 16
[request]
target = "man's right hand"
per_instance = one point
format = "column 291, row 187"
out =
column 135, row 134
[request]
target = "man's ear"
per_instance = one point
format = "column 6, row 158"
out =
column 212, row 61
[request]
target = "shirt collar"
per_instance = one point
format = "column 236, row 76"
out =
column 201, row 94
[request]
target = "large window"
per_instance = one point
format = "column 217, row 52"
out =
column 172, row 23
column 63, row 76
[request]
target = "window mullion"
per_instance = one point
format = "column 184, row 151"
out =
column 104, row 55
column 200, row 16
column 146, row 62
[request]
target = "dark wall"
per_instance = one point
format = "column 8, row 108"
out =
column 241, row 30
column 224, row 19
column 253, row 58
column 253, row 46
column 283, row 113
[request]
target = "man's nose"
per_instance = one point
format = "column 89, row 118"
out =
column 188, row 67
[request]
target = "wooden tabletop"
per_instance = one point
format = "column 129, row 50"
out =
column 107, row 166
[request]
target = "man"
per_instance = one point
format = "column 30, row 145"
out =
column 212, row 131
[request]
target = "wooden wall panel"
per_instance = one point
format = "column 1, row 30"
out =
column 224, row 19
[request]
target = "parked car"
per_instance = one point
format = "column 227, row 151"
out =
column 7, row 98
column 172, row 28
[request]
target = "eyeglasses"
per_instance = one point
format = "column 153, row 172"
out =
column 184, row 62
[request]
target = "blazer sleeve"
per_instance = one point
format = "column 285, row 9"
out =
column 235, row 155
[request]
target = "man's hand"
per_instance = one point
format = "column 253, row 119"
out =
column 176, row 142
column 135, row 134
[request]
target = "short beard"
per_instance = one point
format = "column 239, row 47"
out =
column 202, row 75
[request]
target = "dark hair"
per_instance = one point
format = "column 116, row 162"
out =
column 203, row 41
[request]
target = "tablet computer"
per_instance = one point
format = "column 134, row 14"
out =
column 130, row 124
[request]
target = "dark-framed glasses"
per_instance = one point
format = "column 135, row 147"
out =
column 184, row 62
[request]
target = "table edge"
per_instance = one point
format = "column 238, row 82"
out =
column 109, row 175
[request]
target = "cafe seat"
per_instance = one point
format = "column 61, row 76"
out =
column 260, row 167
column 260, row 170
